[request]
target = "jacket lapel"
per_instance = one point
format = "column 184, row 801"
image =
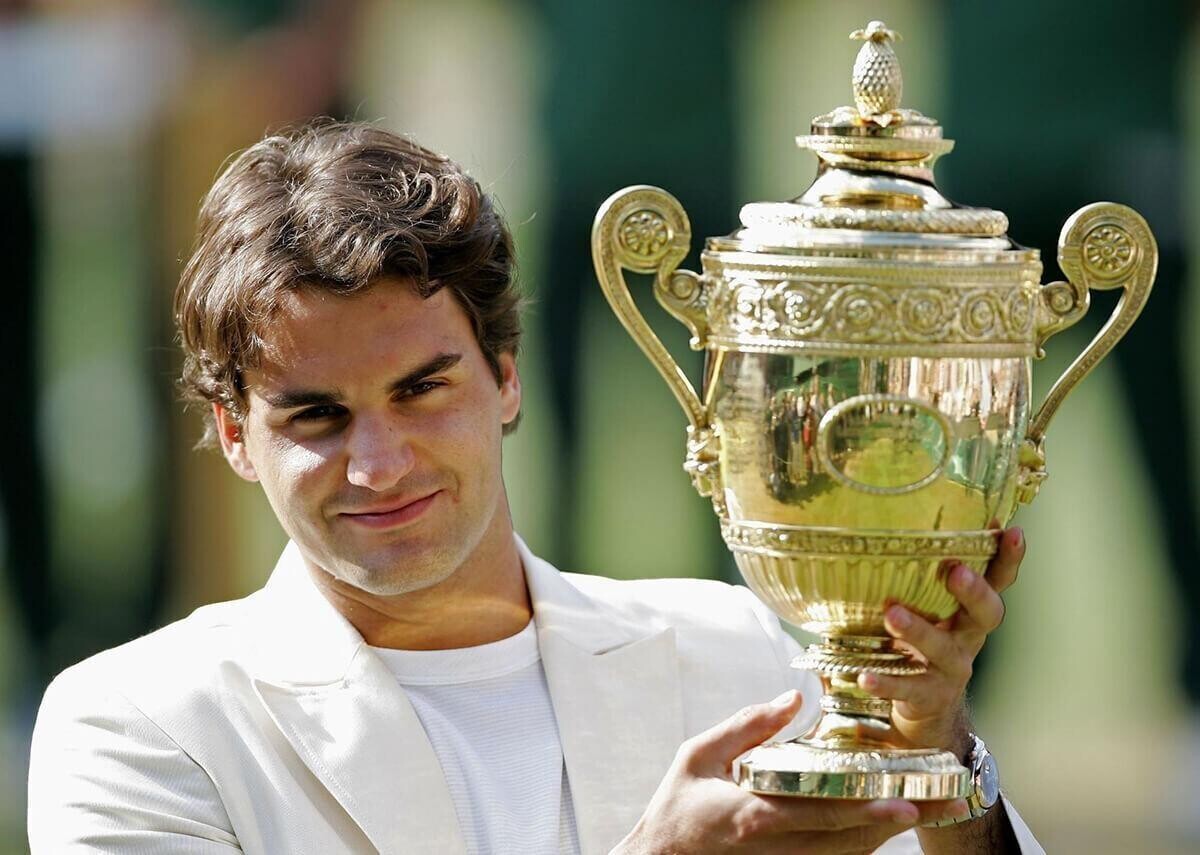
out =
column 349, row 721
column 614, row 685
column 617, row 699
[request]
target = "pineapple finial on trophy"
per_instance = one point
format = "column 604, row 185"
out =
column 876, row 79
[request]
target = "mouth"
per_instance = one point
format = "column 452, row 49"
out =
column 391, row 516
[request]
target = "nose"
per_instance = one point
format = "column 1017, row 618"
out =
column 379, row 453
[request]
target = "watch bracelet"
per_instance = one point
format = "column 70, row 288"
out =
column 975, row 807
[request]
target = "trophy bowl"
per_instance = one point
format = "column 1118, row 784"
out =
column 865, row 417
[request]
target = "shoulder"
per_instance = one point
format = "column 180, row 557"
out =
column 177, row 665
column 700, row 610
column 688, row 601
column 732, row 649
column 108, row 744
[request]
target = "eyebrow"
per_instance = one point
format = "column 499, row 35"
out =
column 292, row 398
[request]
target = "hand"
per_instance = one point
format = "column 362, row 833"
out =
column 698, row 809
column 928, row 709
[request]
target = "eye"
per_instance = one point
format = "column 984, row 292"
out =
column 422, row 388
column 319, row 414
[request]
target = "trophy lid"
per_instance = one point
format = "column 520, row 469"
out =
column 874, row 183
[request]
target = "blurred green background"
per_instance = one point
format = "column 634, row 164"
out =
column 116, row 116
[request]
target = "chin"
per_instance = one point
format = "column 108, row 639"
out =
column 392, row 576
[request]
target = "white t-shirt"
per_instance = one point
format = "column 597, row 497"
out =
column 487, row 712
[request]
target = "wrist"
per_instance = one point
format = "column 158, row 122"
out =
column 984, row 783
column 952, row 734
column 955, row 734
column 625, row 847
column 961, row 742
column 634, row 843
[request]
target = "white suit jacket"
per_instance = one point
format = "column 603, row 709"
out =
column 267, row 724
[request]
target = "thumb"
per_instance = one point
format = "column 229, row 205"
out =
column 713, row 751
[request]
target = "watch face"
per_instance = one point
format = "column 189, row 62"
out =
column 989, row 782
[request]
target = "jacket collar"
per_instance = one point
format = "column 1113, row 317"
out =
column 303, row 641
column 614, row 685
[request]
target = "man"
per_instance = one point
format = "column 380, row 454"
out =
column 412, row 678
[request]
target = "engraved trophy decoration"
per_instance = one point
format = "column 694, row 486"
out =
column 865, row 410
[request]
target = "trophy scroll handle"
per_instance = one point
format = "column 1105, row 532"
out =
column 1102, row 246
column 645, row 229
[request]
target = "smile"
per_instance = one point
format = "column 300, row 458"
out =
column 399, row 515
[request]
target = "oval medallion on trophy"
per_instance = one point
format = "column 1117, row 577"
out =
column 884, row 444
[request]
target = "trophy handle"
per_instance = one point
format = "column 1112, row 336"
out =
column 645, row 229
column 1102, row 246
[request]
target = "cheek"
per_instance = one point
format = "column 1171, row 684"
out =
column 468, row 436
column 292, row 469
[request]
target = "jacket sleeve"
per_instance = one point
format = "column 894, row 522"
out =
column 103, row 778
column 1025, row 838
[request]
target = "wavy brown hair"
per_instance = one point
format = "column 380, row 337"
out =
column 334, row 206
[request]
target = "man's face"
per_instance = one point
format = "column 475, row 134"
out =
column 374, row 424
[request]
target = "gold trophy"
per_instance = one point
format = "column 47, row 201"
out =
column 865, row 410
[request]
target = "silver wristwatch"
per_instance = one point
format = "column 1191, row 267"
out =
column 985, row 783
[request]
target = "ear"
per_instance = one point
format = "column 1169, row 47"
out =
column 510, row 388
column 233, row 444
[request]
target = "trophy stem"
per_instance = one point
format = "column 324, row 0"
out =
column 852, row 717
column 854, row 751
column 848, row 655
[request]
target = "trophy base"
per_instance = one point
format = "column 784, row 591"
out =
column 802, row 768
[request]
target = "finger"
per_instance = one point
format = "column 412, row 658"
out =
column 916, row 812
column 937, row 811
column 921, row 692
column 865, row 838
column 1003, row 568
column 920, row 696
column 982, row 607
column 713, row 751
column 936, row 645
column 778, row 814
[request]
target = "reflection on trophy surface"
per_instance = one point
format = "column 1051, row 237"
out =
column 865, row 414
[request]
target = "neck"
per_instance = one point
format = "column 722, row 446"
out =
column 482, row 601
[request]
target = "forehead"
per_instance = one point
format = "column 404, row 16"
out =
column 385, row 327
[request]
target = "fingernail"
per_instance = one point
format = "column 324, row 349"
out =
column 868, row 681
column 964, row 576
column 785, row 700
column 1017, row 538
column 899, row 617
